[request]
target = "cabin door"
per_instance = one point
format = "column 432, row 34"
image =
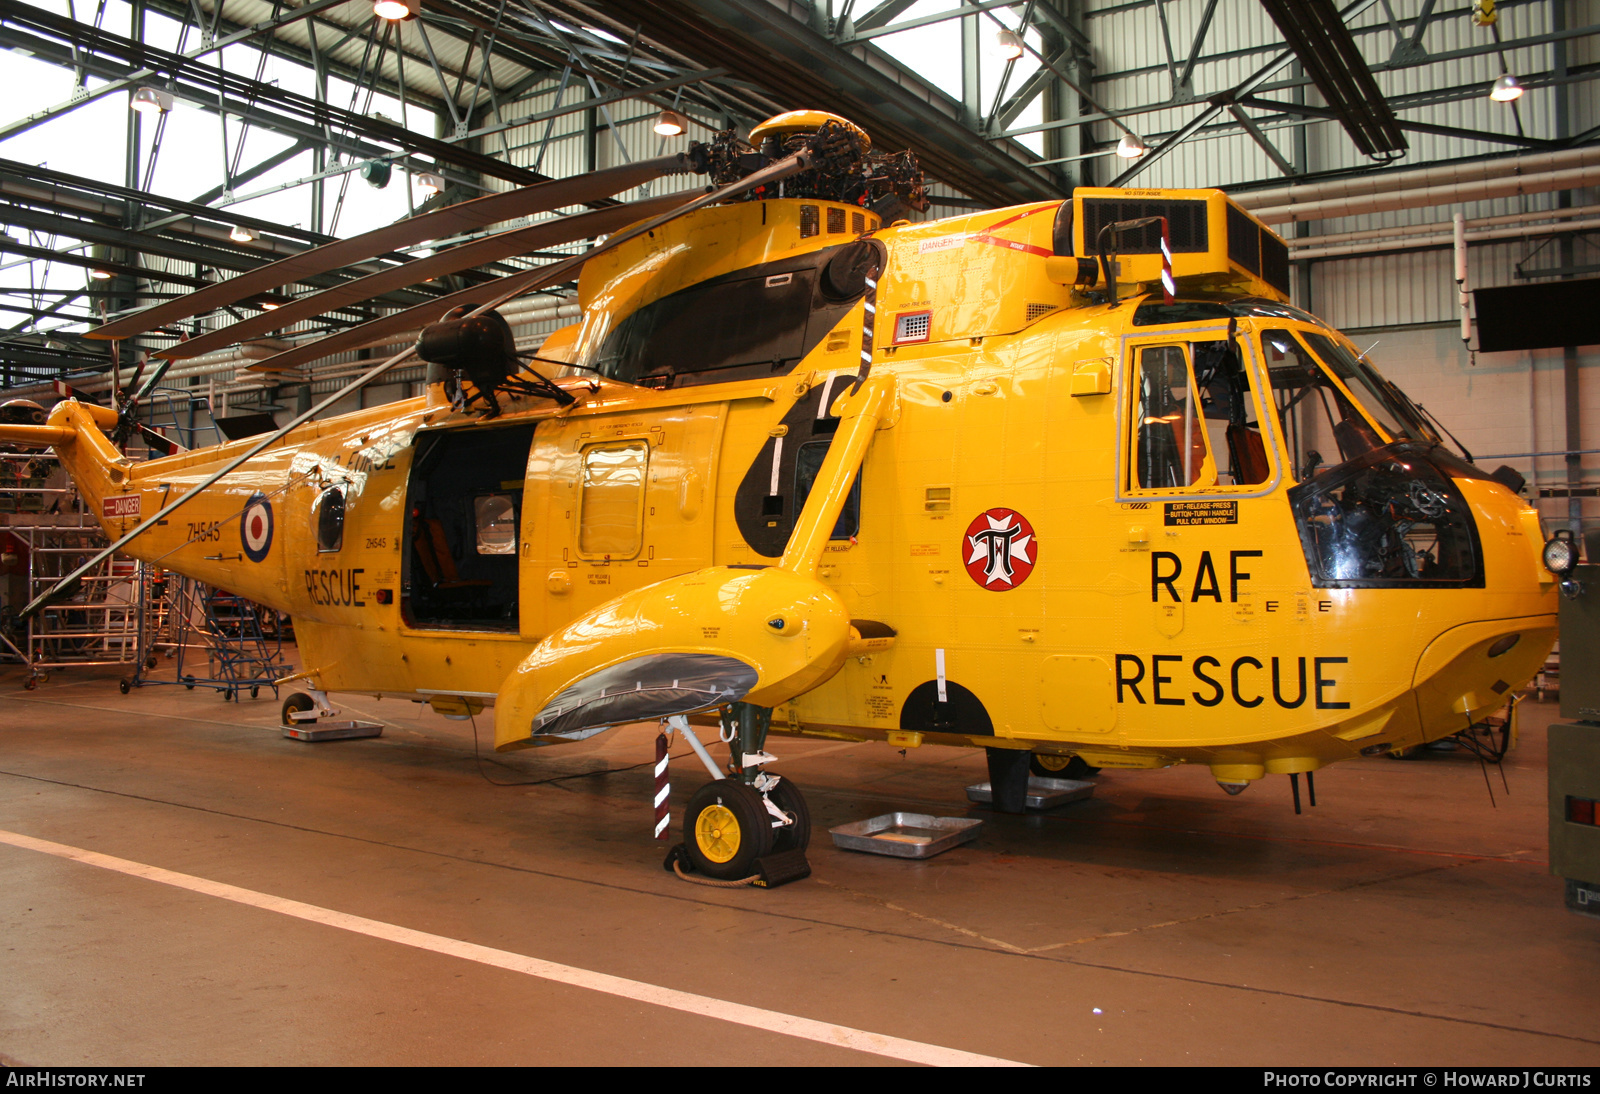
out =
column 464, row 506
column 614, row 503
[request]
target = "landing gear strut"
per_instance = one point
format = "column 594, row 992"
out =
column 746, row 825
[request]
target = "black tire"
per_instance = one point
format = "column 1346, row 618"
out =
column 188, row 683
column 30, row 683
column 254, row 691
column 726, row 828
column 227, row 695
column 1047, row 766
column 150, row 663
column 298, row 700
column 124, row 685
column 797, row 836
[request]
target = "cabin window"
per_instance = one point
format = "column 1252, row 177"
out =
column 1169, row 435
column 496, row 518
column 327, row 514
column 611, row 508
column 807, row 462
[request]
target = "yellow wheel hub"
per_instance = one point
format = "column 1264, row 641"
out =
column 716, row 833
column 1053, row 763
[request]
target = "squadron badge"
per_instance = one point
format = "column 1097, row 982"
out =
column 1000, row 549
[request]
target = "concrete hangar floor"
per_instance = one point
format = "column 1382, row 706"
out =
column 179, row 884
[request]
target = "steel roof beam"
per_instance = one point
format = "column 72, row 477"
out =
column 10, row 10
column 802, row 67
column 300, row 116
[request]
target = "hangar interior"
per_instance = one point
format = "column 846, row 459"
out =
column 416, row 899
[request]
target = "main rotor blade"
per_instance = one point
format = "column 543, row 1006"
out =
column 420, row 315
column 150, row 384
column 448, row 221
column 517, row 284
column 489, row 249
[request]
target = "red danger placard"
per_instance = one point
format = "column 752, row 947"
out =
column 123, row 505
column 1000, row 549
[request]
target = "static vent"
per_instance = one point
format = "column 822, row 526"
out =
column 835, row 220
column 912, row 327
column 1186, row 225
column 1244, row 241
column 810, row 221
column 1036, row 310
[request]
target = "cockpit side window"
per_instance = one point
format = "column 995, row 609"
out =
column 1230, row 414
column 1319, row 420
column 1169, row 443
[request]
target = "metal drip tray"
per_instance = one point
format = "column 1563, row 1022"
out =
column 906, row 835
column 333, row 731
column 1042, row 793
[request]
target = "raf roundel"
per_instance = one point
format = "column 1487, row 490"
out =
column 1000, row 550
column 255, row 527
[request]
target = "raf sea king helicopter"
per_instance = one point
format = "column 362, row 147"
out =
column 1072, row 482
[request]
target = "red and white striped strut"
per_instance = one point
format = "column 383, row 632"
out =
column 1168, row 286
column 663, row 787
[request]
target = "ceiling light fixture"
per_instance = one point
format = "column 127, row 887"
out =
column 377, row 172
column 241, row 234
column 100, row 275
column 151, row 100
column 1506, row 89
column 430, row 182
column 1130, row 147
column 671, row 124
column 1009, row 43
column 394, row 10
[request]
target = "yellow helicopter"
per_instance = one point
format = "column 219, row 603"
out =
column 1072, row 482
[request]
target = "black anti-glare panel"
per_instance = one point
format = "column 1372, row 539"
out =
column 1548, row 316
column 1325, row 46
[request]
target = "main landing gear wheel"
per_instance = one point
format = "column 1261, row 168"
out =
column 726, row 828
column 1060, row 767
column 298, row 701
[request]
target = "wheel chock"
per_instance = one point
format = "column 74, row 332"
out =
column 781, row 868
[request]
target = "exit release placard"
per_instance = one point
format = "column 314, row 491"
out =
column 1190, row 513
